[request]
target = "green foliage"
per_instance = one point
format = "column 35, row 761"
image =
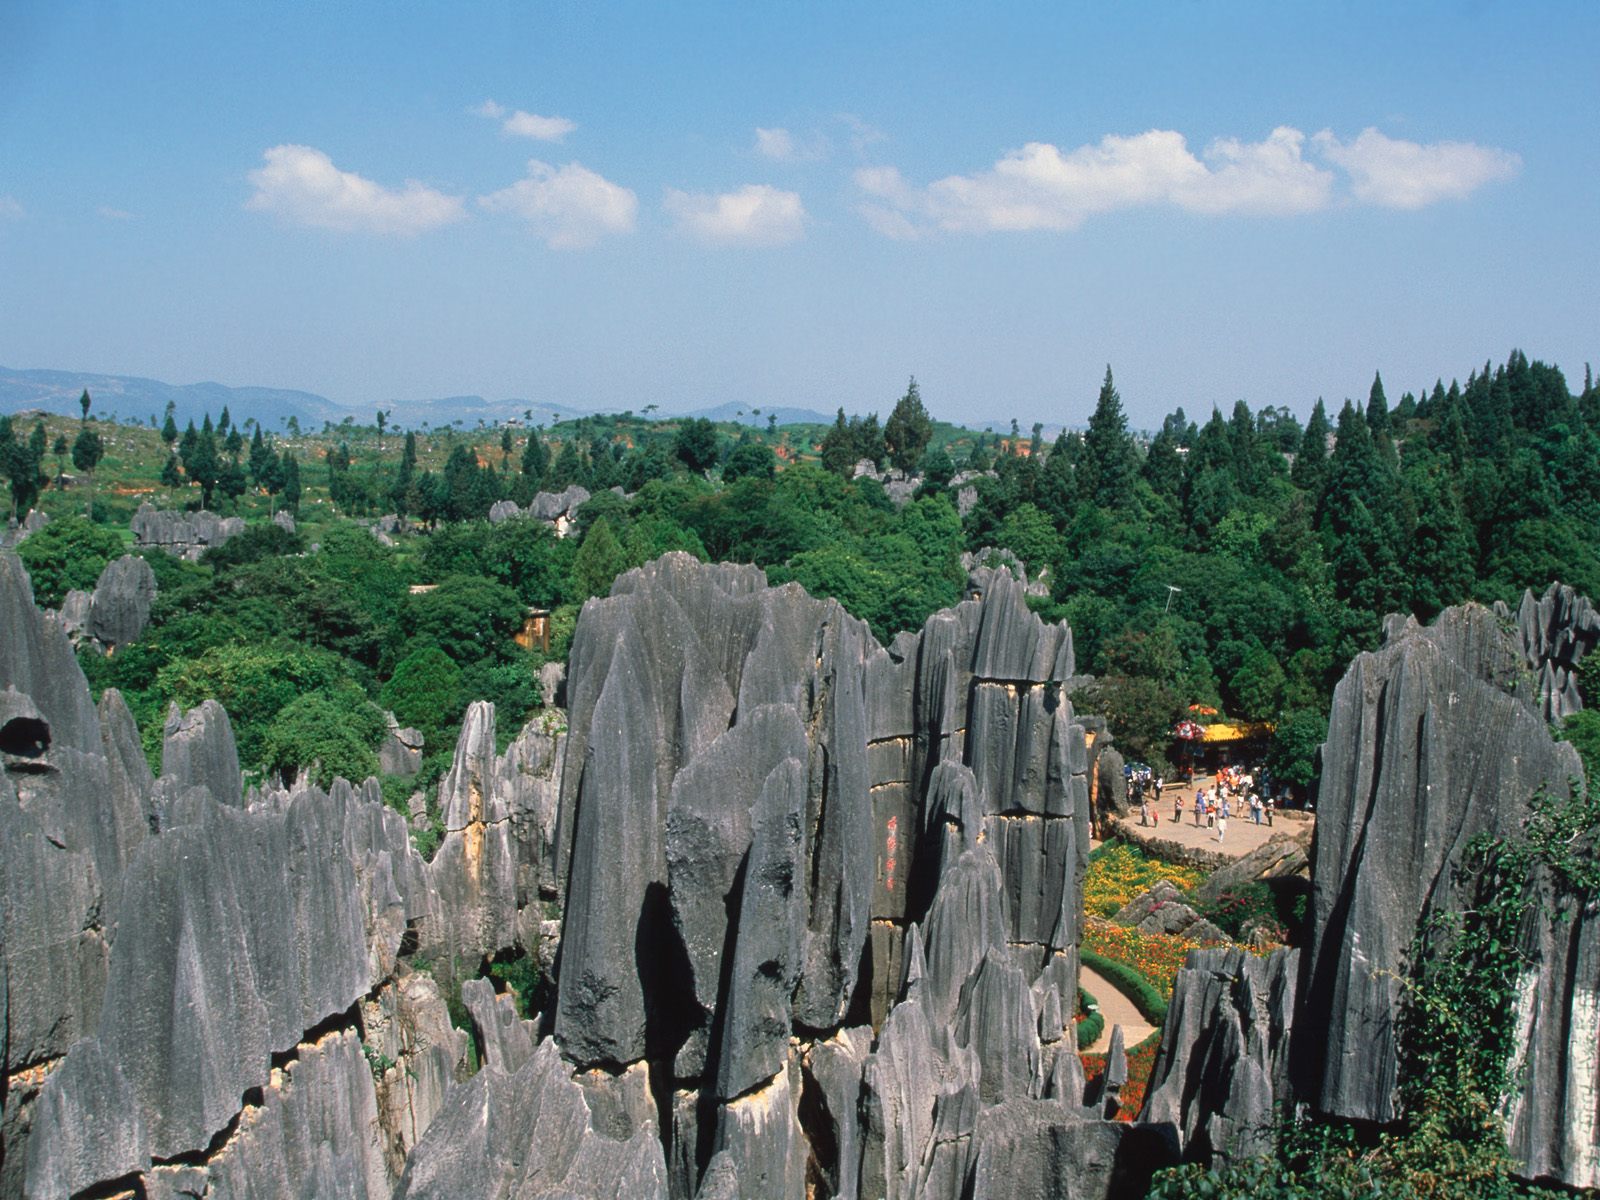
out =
column 1296, row 741
column 425, row 692
column 696, row 445
column 599, row 560
column 1093, row 1024
column 518, row 974
column 1146, row 996
column 909, row 429
column 468, row 617
column 254, row 544
column 254, row 681
column 337, row 730
column 68, row 553
column 749, row 459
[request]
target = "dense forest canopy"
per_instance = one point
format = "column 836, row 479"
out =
column 1237, row 562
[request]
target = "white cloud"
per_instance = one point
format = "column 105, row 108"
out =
column 755, row 215
column 115, row 214
column 301, row 185
column 543, row 129
column 526, row 124
column 1395, row 173
column 862, row 134
column 776, row 144
column 11, row 209
column 782, row 146
column 1042, row 187
column 569, row 207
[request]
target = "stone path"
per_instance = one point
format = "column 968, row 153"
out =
column 1117, row 1009
column 1244, row 835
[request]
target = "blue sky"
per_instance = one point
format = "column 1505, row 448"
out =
column 613, row 205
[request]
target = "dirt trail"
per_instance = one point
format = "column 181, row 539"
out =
column 1117, row 1009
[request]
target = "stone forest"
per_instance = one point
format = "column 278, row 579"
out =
column 633, row 827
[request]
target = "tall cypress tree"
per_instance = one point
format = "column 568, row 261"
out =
column 1310, row 471
column 1110, row 462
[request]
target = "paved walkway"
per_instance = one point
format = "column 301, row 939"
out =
column 1117, row 1009
column 1243, row 835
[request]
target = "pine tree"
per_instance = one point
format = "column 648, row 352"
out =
column 1378, row 422
column 83, row 403
column 171, row 478
column 838, row 447
column 404, row 477
column 1310, row 470
column 1109, row 460
column 535, row 458
column 169, row 427
column 909, row 429
column 260, row 455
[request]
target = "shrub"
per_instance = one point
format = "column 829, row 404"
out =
column 1146, row 996
column 67, row 553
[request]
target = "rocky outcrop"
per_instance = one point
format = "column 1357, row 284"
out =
column 400, row 753
column 1222, row 1072
column 527, row 1134
column 556, row 509
column 498, row 854
column 183, row 535
column 120, row 607
column 762, row 811
column 1162, row 909
column 17, row 532
column 1433, row 739
column 1556, row 630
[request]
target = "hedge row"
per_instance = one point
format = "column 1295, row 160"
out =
column 1146, row 997
column 1091, row 1027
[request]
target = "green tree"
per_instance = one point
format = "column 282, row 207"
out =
column 68, row 553
column 171, row 477
column 334, row 731
column 1310, row 471
column 169, row 427
column 535, row 458
column 695, row 445
column 909, row 429
column 87, row 451
column 1031, row 535
column 424, row 692
column 749, row 458
column 600, row 560
column 83, row 403
column 838, row 447
column 468, row 617
column 1110, row 463
column 405, row 478
column 291, row 482
column 1258, row 685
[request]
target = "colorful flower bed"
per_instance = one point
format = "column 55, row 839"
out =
column 1141, row 1059
column 1156, row 956
column 1118, row 872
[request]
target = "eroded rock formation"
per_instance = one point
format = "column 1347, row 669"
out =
column 183, row 535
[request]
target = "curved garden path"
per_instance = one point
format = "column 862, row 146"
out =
column 1117, row 1009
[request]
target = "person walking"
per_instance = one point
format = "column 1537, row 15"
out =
column 1255, row 808
column 1144, row 811
column 1199, row 806
column 1222, row 824
column 1177, row 805
column 1269, row 812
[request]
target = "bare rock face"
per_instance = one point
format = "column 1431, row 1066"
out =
column 401, row 751
column 199, row 752
column 183, row 535
column 1557, row 630
column 1223, row 1068
column 774, row 830
column 528, row 1135
column 1433, row 739
column 498, row 853
column 120, row 606
column 1162, row 909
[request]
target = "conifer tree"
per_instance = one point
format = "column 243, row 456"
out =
column 1109, row 459
column 909, row 429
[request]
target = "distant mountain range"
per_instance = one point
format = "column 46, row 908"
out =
column 130, row 397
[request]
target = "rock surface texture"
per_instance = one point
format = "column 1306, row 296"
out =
column 183, row 535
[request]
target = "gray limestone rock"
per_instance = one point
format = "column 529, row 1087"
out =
column 1433, row 739
column 1557, row 630
column 401, row 751
column 833, row 1074
column 209, row 976
column 183, row 535
column 1222, row 1072
column 507, row 1039
column 283, row 520
column 503, row 510
column 77, row 607
column 198, row 751
column 1162, row 909
column 120, row 607
column 529, row 1135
